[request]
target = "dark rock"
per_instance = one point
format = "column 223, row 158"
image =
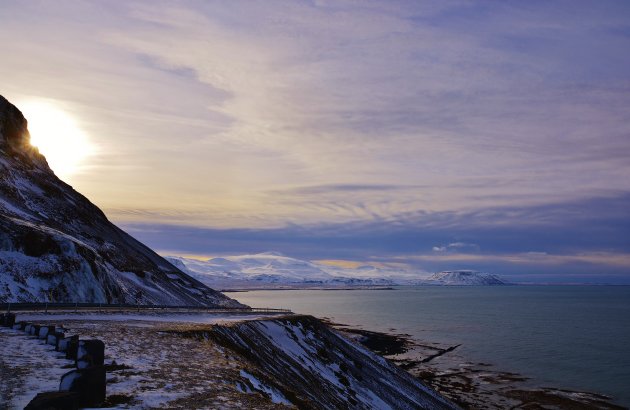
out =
column 71, row 347
column 37, row 244
column 89, row 383
column 90, row 353
column 64, row 400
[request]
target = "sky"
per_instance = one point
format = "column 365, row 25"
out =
column 489, row 135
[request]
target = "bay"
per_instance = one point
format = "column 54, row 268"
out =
column 573, row 337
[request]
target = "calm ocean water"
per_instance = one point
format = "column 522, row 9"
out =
column 575, row 337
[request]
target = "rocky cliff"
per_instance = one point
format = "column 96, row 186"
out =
column 55, row 245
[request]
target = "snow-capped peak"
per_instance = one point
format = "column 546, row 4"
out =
column 465, row 277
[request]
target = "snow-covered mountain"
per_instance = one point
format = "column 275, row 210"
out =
column 273, row 270
column 465, row 277
column 55, row 245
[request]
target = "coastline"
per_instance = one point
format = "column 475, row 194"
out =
column 255, row 289
column 466, row 383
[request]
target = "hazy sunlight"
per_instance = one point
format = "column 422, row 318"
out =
column 57, row 136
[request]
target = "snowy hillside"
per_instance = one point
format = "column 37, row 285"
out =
column 271, row 269
column 465, row 277
column 55, row 245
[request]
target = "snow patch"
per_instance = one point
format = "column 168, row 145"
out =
column 275, row 395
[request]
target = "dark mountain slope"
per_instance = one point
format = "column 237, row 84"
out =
column 55, row 245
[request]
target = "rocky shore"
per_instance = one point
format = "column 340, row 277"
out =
column 468, row 384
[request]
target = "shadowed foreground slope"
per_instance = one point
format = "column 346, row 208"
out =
column 193, row 361
column 314, row 367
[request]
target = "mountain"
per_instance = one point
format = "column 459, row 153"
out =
column 465, row 277
column 55, row 245
column 271, row 269
column 274, row 270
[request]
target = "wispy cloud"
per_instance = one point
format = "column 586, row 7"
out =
column 456, row 247
column 460, row 119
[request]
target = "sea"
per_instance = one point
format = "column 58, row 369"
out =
column 569, row 337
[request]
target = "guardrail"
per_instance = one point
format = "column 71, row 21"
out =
column 45, row 307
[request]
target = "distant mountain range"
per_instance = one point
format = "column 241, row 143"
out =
column 466, row 277
column 274, row 270
column 55, row 245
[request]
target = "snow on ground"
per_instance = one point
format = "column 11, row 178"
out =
column 275, row 394
column 27, row 366
column 185, row 361
column 155, row 366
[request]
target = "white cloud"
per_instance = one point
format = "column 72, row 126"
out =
column 462, row 247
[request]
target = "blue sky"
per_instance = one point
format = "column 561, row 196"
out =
column 485, row 135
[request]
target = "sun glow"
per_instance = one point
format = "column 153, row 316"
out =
column 57, row 136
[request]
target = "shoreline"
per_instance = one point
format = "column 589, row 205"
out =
column 466, row 383
column 244, row 290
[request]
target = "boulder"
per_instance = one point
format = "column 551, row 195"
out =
column 89, row 383
column 54, row 401
column 90, row 353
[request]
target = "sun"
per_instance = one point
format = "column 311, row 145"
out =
column 57, row 136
